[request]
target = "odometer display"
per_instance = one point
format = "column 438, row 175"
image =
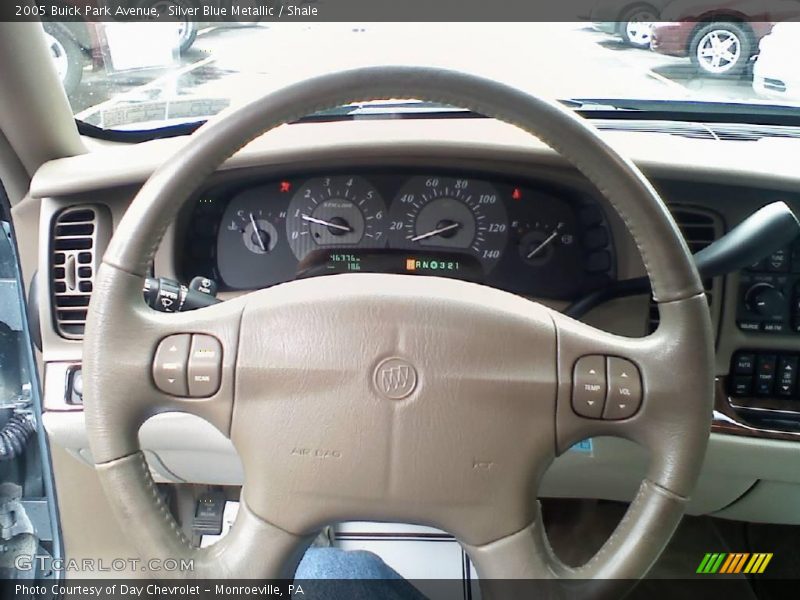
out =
column 386, row 260
column 451, row 214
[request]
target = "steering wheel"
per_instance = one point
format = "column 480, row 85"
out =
column 395, row 397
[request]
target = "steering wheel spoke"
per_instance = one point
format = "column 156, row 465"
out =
column 252, row 549
column 155, row 362
column 626, row 387
column 527, row 555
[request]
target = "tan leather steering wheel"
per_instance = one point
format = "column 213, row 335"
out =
column 465, row 448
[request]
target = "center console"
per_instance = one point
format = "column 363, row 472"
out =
column 762, row 387
column 769, row 294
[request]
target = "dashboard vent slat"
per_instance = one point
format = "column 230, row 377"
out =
column 700, row 228
column 80, row 235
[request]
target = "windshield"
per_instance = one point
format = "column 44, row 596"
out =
column 140, row 76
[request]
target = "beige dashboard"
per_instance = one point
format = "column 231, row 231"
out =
column 748, row 465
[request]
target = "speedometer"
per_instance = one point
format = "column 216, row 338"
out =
column 335, row 212
column 461, row 215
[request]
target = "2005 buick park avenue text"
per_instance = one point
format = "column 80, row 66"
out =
column 88, row 11
column 173, row 11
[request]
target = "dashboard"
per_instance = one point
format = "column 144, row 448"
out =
column 710, row 186
column 521, row 236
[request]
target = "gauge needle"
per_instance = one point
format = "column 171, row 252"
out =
column 325, row 223
column 541, row 246
column 439, row 230
column 257, row 233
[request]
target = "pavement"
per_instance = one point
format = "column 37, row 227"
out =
column 232, row 64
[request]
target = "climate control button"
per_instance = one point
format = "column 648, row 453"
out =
column 170, row 364
column 765, row 374
column 589, row 386
column 786, row 375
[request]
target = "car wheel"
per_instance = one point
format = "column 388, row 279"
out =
column 636, row 26
column 187, row 28
column 67, row 58
column 721, row 49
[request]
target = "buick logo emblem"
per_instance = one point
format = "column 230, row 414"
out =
column 395, row 378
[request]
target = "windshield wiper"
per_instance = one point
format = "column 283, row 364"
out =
column 387, row 106
column 405, row 109
column 358, row 111
column 419, row 109
column 701, row 111
column 587, row 104
column 590, row 108
column 428, row 108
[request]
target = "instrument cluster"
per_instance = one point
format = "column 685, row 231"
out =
column 524, row 237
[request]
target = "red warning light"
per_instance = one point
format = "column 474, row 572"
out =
column 286, row 186
column 516, row 194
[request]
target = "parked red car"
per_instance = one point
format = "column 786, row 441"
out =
column 721, row 38
column 717, row 48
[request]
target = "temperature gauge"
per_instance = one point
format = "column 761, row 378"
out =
column 251, row 245
column 258, row 234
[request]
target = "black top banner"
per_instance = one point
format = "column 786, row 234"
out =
column 394, row 11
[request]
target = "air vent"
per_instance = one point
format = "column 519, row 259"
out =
column 80, row 236
column 699, row 228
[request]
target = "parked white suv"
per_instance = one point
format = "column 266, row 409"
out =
column 776, row 73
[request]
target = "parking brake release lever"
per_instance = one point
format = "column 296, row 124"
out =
column 765, row 231
column 168, row 295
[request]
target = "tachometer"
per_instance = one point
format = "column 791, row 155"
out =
column 453, row 214
column 335, row 211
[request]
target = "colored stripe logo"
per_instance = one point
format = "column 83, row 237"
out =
column 734, row 562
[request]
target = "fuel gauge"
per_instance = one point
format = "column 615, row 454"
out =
column 539, row 242
column 547, row 255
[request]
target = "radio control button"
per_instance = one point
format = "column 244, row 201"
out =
column 765, row 300
column 778, row 261
column 205, row 365
column 624, row 389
